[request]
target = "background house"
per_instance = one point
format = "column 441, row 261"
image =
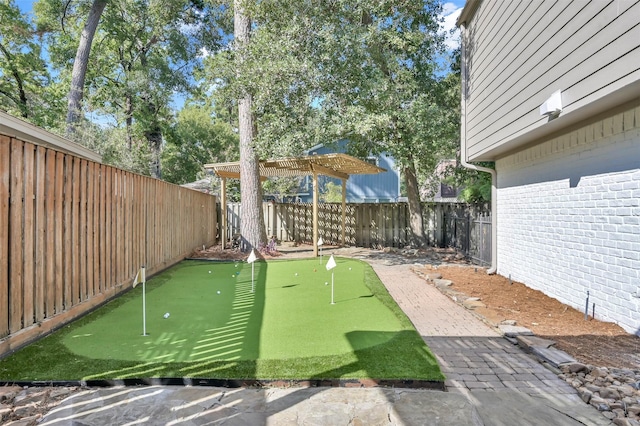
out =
column 377, row 188
column 437, row 188
column 551, row 93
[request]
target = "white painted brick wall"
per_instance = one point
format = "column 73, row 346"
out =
column 569, row 218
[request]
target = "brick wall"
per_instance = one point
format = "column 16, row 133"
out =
column 569, row 217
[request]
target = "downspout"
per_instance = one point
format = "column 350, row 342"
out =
column 463, row 155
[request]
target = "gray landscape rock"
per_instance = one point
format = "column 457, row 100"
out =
column 609, row 393
column 574, row 367
column 528, row 342
column 472, row 304
column 618, row 402
column 514, row 330
column 585, row 394
column 442, row 283
column 553, row 356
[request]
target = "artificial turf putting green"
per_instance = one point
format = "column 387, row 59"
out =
column 217, row 327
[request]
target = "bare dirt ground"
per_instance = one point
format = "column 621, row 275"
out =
column 594, row 342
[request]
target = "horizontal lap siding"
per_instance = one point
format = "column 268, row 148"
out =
column 73, row 234
column 518, row 53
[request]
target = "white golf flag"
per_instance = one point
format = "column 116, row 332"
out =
column 320, row 242
column 139, row 277
column 252, row 257
column 331, row 263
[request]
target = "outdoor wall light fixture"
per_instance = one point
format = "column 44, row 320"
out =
column 552, row 107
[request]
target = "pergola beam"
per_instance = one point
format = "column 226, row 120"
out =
column 317, row 168
column 234, row 175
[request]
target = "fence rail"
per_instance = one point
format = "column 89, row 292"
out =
column 74, row 232
column 462, row 226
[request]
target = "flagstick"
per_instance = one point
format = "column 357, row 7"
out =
column 144, row 307
column 332, row 302
column 252, row 259
column 330, row 265
column 144, row 300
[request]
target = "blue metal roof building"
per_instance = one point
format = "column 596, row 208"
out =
column 381, row 187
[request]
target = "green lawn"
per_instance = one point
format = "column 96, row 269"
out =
column 218, row 327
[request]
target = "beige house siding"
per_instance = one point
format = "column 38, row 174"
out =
column 516, row 54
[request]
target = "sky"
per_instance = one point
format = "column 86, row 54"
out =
column 451, row 11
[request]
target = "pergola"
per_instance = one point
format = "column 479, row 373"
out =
column 339, row 166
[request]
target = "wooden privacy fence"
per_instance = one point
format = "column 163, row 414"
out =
column 377, row 225
column 74, row 232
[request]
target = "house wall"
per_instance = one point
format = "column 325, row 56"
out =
column 518, row 53
column 569, row 216
column 380, row 187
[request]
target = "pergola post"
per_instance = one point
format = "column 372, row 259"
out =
column 315, row 214
column 344, row 209
column 223, row 211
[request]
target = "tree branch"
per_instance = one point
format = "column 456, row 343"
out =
column 22, row 96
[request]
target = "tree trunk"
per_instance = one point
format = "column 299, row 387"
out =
column 76, row 92
column 415, row 208
column 154, row 140
column 129, row 119
column 251, row 217
column 21, row 101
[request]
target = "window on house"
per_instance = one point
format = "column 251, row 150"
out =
column 372, row 160
column 447, row 191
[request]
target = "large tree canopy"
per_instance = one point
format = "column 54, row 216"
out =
column 26, row 89
column 144, row 55
column 367, row 71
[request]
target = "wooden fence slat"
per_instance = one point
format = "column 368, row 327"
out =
column 127, row 237
column 60, row 215
column 16, row 301
column 50, row 247
column 75, row 233
column 108, row 256
column 90, row 231
column 82, row 254
column 28, row 234
column 68, row 234
column 41, row 255
column 117, row 223
column 5, row 170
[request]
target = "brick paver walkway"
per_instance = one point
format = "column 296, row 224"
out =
column 471, row 354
